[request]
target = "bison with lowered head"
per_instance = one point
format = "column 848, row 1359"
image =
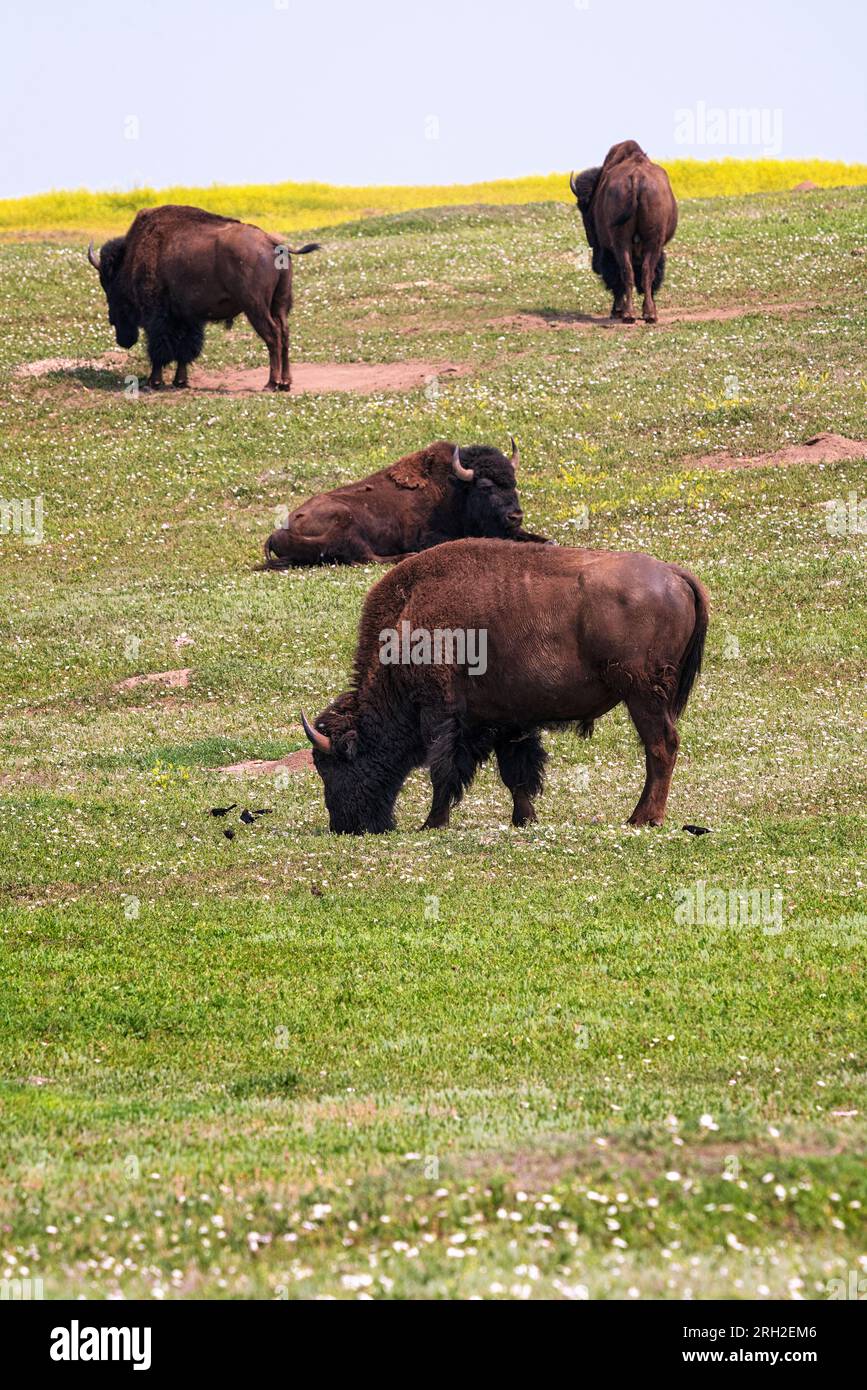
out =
column 179, row 268
column 566, row 635
column 630, row 215
column 438, row 494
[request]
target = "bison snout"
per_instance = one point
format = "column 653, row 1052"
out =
column 515, row 517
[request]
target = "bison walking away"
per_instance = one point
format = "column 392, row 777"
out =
column 630, row 215
column 438, row 494
column 568, row 635
column 179, row 268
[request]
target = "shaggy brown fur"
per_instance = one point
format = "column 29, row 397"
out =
column 629, row 214
column 570, row 634
column 413, row 504
column 179, row 268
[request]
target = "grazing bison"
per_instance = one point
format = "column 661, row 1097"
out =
column 438, row 494
column 179, row 268
column 630, row 215
column 565, row 635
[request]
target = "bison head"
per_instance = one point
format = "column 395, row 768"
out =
column 360, row 766
column 486, row 479
column 583, row 185
column 121, row 311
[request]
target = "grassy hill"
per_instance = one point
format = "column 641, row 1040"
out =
column 484, row 1061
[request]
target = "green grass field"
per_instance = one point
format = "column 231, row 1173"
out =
column 486, row 1061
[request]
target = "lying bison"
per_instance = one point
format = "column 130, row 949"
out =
column 179, row 268
column 630, row 215
column 438, row 494
column 557, row 637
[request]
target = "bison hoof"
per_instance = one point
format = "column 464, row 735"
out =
column 181, row 385
column 284, row 386
column 628, row 318
column 650, row 318
column 271, row 386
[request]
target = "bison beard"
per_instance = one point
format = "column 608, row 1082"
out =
column 571, row 634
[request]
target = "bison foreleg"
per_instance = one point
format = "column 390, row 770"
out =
column 452, row 761
column 522, row 767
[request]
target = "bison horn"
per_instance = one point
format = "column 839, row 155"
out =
column 92, row 258
column 516, row 457
column 572, row 183
column 466, row 475
column 320, row 741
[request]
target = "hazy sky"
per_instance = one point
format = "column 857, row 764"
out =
column 118, row 93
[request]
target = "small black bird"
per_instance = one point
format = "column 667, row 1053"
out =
column 696, row 829
column 223, row 810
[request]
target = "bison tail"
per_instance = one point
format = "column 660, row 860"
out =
column 305, row 250
column 631, row 210
column 691, row 663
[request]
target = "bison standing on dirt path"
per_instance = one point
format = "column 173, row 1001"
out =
column 179, row 268
column 630, row 214
column 437, row 494
column 559, row 637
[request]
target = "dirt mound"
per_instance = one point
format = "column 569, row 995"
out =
column 532, row 322
column 308, row 378
column 806, row 187
column 173, row 680
column 293, row 762
column 822, row 448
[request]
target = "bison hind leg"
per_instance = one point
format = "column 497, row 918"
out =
column 658, row 733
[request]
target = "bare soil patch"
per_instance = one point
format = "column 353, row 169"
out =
column 173, row 680
column 822, row 448
column 527, row 321
column 256, row 767
column 314, row 378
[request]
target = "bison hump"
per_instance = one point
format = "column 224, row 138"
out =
column 412, row 471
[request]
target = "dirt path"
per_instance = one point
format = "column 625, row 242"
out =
column 532, row 322
column 308, row 378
